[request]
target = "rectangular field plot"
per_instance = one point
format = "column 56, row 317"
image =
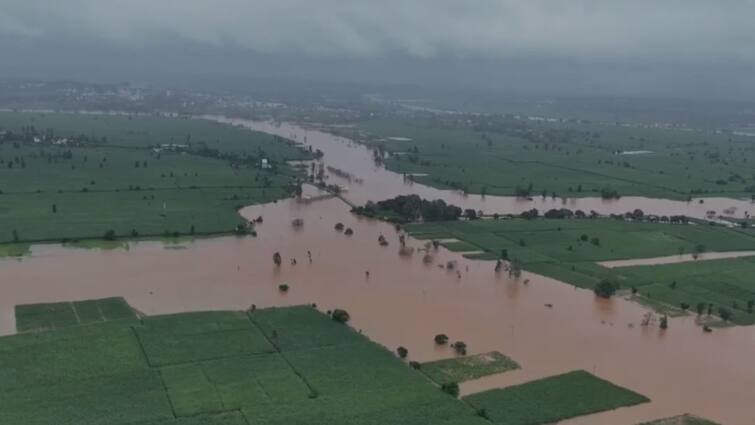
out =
column 466, row 368
column 553, row 399
column 69, row 354
column 303, row 327
column 185, row 338
column 112, row 400
column 50, row 316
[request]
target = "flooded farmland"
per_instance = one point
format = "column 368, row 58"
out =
column 402, row 300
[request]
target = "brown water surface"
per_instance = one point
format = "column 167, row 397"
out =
column 405, row 301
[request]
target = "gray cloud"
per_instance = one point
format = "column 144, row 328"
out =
column 688, row 30
column 686, row 48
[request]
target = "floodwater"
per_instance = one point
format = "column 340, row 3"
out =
column 406, row 301
column 674, row 259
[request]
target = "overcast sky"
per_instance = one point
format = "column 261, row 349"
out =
column 685, row 48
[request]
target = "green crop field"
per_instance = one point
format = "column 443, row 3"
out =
column 76, row 176
column 568, row 250
column 51, row 316
column 460, row 369
column 553, row 399
column 566, row 159
column 291, row 366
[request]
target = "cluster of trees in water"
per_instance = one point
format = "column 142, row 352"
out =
column 411, row 208
column 637, row 215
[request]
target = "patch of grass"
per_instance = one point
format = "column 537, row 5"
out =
column 553, row 399
column 460, row 369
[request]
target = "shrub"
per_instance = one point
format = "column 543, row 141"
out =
column 283, row 287
column 415, row 364
column 451, row 388
column 340, row 315
column 339, row 226
column 605, row 289
column 460, row 347
column 109, row 235
column 441, row 339
column 402, row 352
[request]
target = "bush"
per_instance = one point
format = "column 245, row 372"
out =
column 441, row 339
column 415, row 364
column 109, row 235
column 340, row 315
column 402, row 352
column 451, row 388
column 283, row 287
column 605, row 289
column 460, row 347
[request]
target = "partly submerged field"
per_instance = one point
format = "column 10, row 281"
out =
column 275, row 366
column 497, row 155
column 568, row 250
column 75, row 176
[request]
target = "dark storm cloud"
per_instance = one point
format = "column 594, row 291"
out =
column 645, row 43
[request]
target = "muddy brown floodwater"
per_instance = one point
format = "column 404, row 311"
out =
column 405, row 301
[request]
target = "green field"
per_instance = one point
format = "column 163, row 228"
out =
column 265, row 367
column 52, row 316
column 460, row 369
column 496, row 155
column 135, row 175
column 552, row 399
column 566, row 250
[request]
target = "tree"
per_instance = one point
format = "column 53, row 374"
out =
column 402, row 352
column 664, row 322
column 109, row 235
column 15, row 235
column 750, row 305
column 504, row 254
column 340, row 315
column 460, row 347
column 605, row 289
column 441, row 339
column 283, row 287
column 700, row 308
column 277, row 259
column 54, row 208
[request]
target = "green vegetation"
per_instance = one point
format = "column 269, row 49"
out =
column 268, row 367
column 75, row 176
column 680, row 420
column 498, row 155
column 563, row 250
column 51, row 316
column 406, row 208
column 552, row 399
column 462, row 369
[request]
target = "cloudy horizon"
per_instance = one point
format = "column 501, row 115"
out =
column 689, row 48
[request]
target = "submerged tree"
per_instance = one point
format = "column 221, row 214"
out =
column 605, row 289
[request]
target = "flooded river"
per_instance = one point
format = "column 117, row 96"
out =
column 407, row 301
